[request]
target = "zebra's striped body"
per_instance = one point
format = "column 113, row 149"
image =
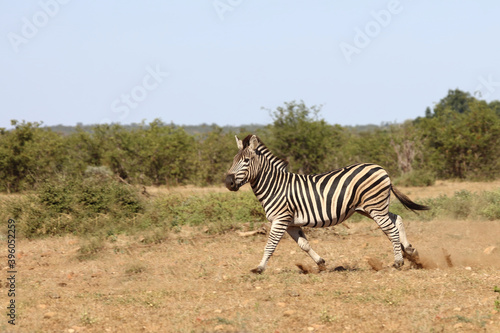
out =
column 292, row 201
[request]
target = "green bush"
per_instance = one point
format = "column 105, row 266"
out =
column 229, row 209
column 461, row 205
column 92, row 205
column 56, row 196
column 491, row 206
column 416, row 178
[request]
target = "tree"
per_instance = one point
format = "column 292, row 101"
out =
column 166, row 153
column 456, row 100
column 495, row 106
column 464, row 144
column 214, row 155
column 304, row 139
column 29, row 154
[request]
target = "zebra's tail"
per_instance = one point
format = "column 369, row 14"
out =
column 407, row 201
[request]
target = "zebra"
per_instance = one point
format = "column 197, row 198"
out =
column 292, row 201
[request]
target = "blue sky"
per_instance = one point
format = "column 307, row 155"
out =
column 223, row 61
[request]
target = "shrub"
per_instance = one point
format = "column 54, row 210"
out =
column 491, row 205
column 461, row 205
column 224, row 210
column 87, row 206
column 56, row 196
column 416, row 178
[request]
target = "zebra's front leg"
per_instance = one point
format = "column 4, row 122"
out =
column 298, row 236
column 277, row 230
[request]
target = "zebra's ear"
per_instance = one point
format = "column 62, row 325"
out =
column 239, row 143
column 254, row 142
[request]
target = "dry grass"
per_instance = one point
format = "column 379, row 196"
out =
column 442, row 187
column 446, row 187
column 189, row 190
column 195, row 282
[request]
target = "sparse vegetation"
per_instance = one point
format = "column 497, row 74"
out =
column 462, row 205
column 90, row 248
column 105, row 208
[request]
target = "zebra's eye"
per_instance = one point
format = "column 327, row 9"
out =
column 246, row 160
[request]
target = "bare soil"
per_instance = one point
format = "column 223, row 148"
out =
column 195, row 282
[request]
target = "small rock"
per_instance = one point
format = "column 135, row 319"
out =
column 289, row 313
column 218, row 311
column 468, row 268
column 281, row 304
column 219, row 328
column 70, row 330
column 49, row 315
column 489, row 250
column 42, row 306
column 310, row 329
column 374, row 263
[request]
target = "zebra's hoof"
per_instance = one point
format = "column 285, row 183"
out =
column 398, row 264
column 409, row 252
column 257, row 270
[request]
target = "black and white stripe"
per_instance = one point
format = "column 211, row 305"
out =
column 292, row 201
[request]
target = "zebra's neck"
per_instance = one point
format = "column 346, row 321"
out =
column 272, row 170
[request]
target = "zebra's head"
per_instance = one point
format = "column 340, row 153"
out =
column 245, row 165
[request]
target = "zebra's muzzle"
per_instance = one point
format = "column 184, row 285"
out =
column 231, row 183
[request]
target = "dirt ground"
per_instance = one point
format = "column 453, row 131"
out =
column 195, row 282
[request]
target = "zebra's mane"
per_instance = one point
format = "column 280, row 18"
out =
column 263, row 150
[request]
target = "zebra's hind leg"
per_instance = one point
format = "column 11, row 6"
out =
column 388, row 226
column 298, row 236
column 409, row 252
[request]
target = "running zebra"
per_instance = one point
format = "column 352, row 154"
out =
column 292, row 201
